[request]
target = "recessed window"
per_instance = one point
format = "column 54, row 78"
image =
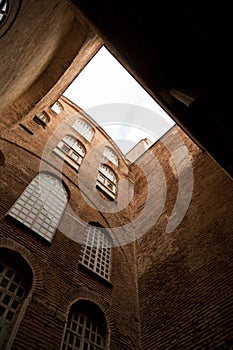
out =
column 41, row 205
column 2, row 159
column 84, row 129
column 15, row 283
column 110, row 155
column 71, row 150
column 12, row 292
column 106, row 180
column 96, row 251
column 85, row 328
column 4, row 10
column 57, row 107
column 42, row 119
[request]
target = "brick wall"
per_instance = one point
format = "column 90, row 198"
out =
column 182, row 285
column 185, row 276
column 58, row 278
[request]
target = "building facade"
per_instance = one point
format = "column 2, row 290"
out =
column 97, row 251
column 53, row 199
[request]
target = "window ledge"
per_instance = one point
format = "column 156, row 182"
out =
column 103, row 190
column 95, row 275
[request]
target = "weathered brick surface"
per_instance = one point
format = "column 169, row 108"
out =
column 45, row 42
column 176, row 293
column 58, row 278
column 185, row 277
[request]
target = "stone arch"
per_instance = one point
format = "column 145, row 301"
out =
column 37, row 283
column 74, row 295
column 16, row 280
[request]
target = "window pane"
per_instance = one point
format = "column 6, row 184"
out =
column 10, row 299
column 101, row 178
column 41, row 205
column 107, row 177
column 74, row 156
column 63, row 147
column 57, row 107
column 83, row 129
column 72, row 149
column 108, row 173
column 110, row 155
column 87, row 338
column 92, row 253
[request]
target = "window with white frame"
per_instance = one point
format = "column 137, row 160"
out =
column 85, row 328
column 106, row 180
column 84, row 129
column 15, row 284
column 41, row 205
column 42, row 119
column 96, row 251
column 110, row 155
column 71, row 150
column 57, row 107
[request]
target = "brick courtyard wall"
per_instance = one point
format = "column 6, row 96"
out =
column 185, row 276
column 59, row 280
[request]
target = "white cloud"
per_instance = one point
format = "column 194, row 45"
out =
column 111, row 96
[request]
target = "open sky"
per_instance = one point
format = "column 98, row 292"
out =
column 117, row 102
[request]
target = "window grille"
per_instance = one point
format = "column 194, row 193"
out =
column 57, row 107
column 41, row 205
column 86, row 327
column 11, row 292
column 15, row 284
column 110, row 155
column 106, row 180
column 71, row 150
column 83, row 129
column 96, row 251
column 82, row 333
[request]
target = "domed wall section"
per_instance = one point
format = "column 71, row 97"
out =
column 43, row 42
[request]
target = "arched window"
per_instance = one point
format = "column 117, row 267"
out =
column 15, row 284
column 41, row 205
column 42, row 119
column 106, row 180
column 110, row 155
column 96, row 251
column 84, row 129
column 71, row 150
column 57, row 107
column 86, row 327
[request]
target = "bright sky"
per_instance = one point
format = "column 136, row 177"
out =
column 117, row 102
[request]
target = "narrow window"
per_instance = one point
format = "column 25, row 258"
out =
column 15, row 284
column 42, row 119
column 106, row 181
column 96, row 251
column 4, row 10
column 86, row 327
column 41, row 205
column 2, row 158
column 84, row 129
column 57, row 107
column 71, row 150
column 110, row 155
